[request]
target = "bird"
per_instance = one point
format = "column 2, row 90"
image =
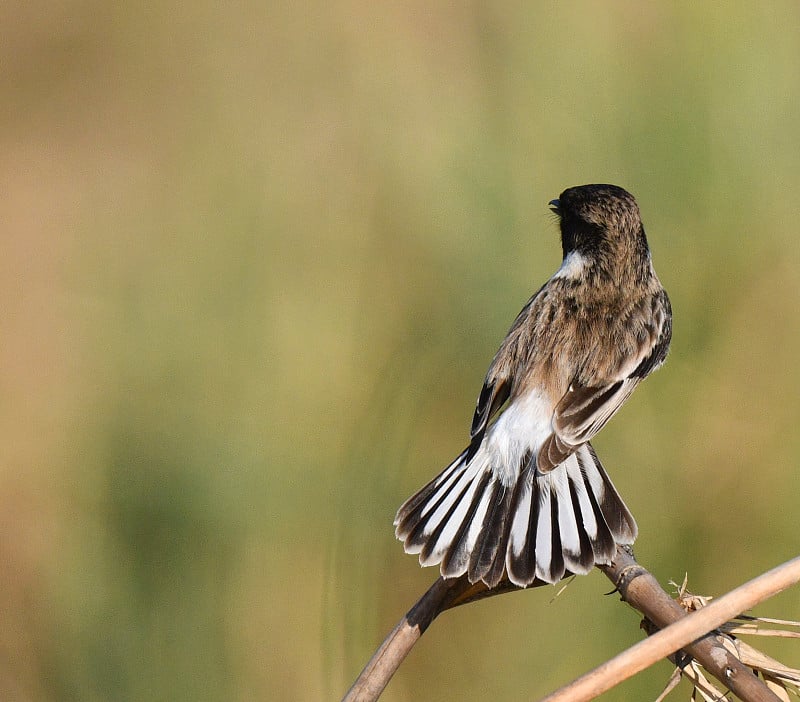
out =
column 529, row 498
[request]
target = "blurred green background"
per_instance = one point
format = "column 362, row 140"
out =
column 256, row 258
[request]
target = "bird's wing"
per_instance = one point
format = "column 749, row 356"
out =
column 585, row 408
column 494, row 393
column 503, row 370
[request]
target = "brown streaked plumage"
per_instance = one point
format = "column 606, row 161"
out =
column 529, row 496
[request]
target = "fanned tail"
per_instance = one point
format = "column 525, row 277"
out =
column 540, row 528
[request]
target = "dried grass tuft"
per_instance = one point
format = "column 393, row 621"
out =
column 779, row 678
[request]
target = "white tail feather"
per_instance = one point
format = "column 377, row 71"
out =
column 563, row 521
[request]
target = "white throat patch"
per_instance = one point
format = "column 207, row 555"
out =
column 571, row 267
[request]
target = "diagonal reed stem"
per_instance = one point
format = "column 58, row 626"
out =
column 639, row 588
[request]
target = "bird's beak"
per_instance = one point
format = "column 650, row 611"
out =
column 555, row 206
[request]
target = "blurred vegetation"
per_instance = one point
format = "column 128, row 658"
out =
column 255, row 261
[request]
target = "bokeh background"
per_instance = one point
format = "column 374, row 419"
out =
column 255, row 260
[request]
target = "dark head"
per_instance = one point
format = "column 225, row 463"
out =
column 602, row 223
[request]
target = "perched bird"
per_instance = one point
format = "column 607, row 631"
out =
column 529, row 496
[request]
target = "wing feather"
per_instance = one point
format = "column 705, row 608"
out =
column 584, row 409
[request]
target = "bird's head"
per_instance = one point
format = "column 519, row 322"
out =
column 600, row 222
